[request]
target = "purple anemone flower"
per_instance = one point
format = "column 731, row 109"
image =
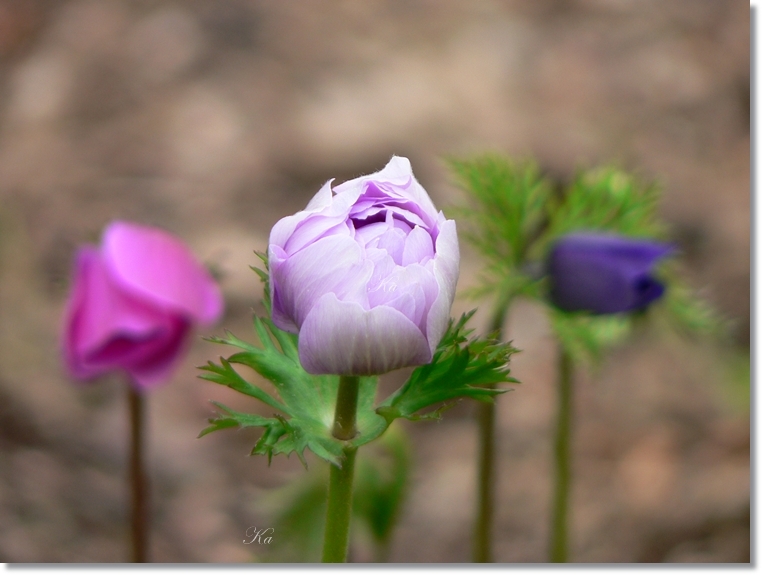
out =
column 133, row 305
column 604, row 274
column 365, row 275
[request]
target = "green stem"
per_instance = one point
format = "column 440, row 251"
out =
column 138, row 480
column 339, row 512
column 559, row 531
column 482, row 543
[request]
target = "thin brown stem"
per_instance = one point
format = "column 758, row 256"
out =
column 138, row 479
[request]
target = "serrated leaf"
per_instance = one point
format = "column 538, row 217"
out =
column 460, row 368
column 224, row 374
column 686, row 312
column 307, row 402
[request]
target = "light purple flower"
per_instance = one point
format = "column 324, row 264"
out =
column 365, row 275
column 134, row 303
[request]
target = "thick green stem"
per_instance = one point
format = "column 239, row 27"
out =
column 482, row 543
column 345, row 416
column 338, row 514
column 559, row 530
column 138, row 480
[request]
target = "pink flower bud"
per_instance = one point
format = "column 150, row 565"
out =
column 134, row 304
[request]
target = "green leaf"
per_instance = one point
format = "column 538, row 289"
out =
column 460, row 368
column 224, row 374
column 306, row 402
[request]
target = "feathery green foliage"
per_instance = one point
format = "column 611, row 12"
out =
column 513, row 216
column 606, row 199
column 502, row 219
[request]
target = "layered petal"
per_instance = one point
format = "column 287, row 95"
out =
column 334, row 264
column 156, row 266
column 340, row 337
column 323, row 204
column 395, row 180
column 412, row 290
column 377, row 254
column 446, row 269
column 418, row 247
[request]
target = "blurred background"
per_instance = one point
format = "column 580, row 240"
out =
column 214, row 119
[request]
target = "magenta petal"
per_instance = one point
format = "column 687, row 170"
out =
column 87, row 259
column 99, row 311
column 109, row 329
column 153, row 264
column 344, row 339
column 157, row 367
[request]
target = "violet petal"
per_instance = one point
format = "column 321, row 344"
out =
column 342, row 338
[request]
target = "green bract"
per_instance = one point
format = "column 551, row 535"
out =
column 303, row 412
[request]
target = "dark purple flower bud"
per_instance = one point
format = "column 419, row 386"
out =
column 133, row 305
column 603, row 274
column 365, row 274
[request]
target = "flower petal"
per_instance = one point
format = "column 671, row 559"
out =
column 343, row 338
column 314, row 228
column 604, row 274
column 322, row 204
column 637, row 252
column 446, row 271
column 418, row 247
column 155, row 265
column 399, row 173
column 411, row 290
column 108, row 329
column 157, row 366
column 332, row 264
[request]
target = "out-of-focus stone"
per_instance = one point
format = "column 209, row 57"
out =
column 648, row 472
column 165, row 44
column 92, row 28
column 41, row 87
column 204, row 131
